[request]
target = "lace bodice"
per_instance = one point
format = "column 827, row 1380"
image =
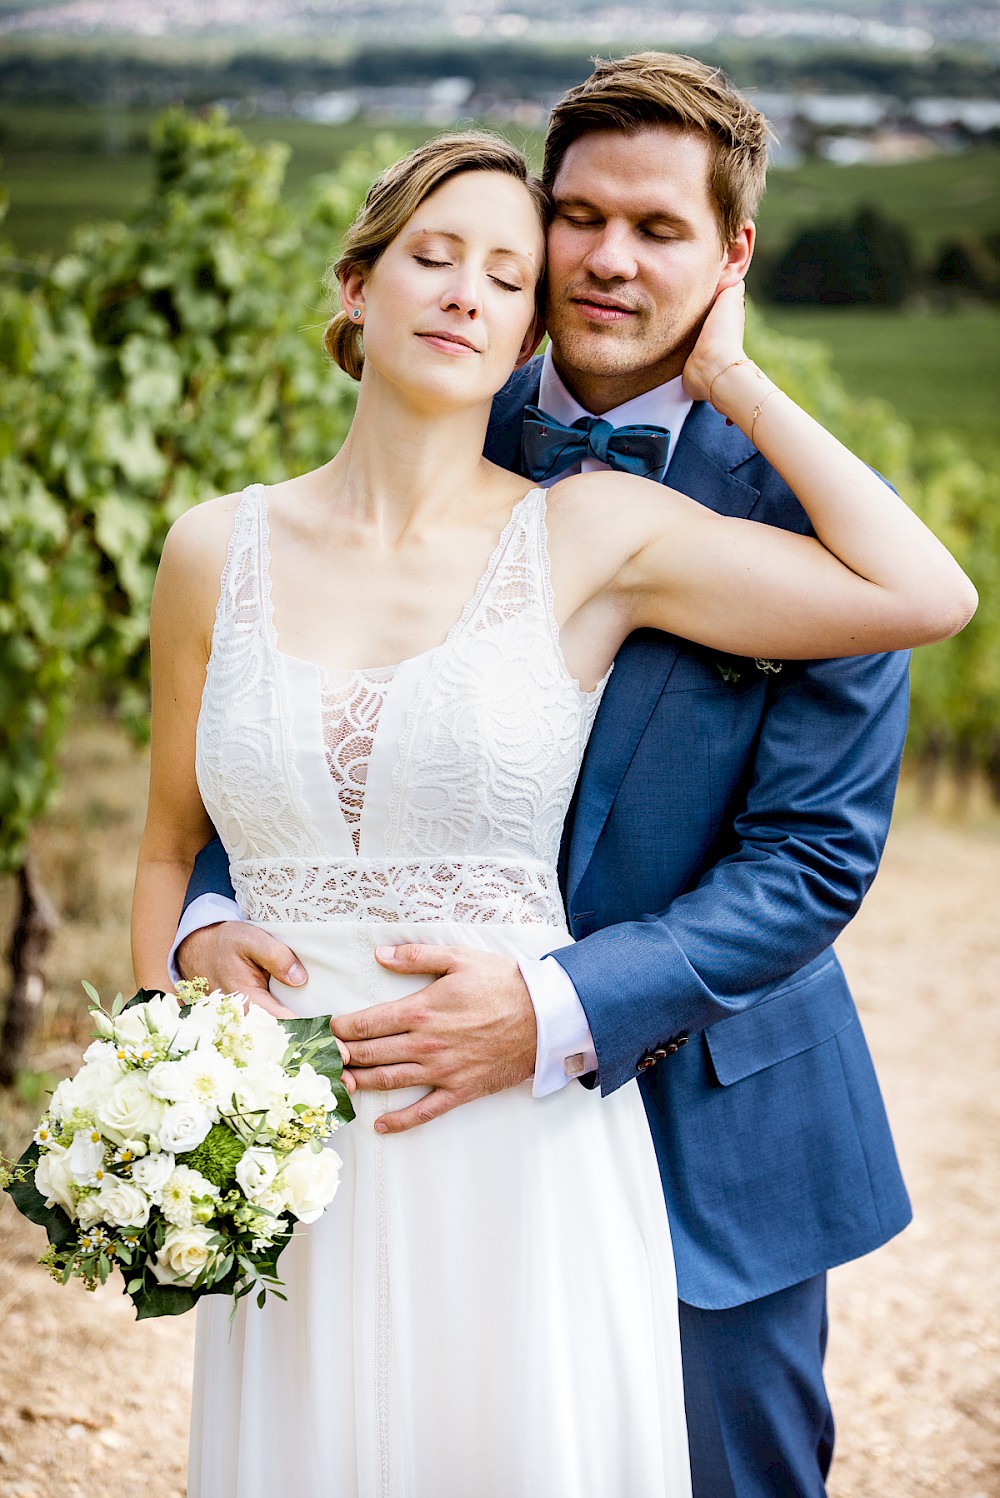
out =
column 432, row 790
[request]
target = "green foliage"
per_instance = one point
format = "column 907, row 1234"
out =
column 152, row 366
column 868, row 261
column 955, row 705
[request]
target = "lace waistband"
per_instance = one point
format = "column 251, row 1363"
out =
column 383, row 890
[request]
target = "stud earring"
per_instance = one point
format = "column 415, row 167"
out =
column 357, row 312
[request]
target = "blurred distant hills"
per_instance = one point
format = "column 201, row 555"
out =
column 884, row 24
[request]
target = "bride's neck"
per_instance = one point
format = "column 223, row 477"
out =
column 402, row 463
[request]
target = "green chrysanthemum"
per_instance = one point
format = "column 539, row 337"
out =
column 217, row 1156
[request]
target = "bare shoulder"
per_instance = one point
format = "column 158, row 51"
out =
column 614, row 513
column 193, row 557
column 201, row 535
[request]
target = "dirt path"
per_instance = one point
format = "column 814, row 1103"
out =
column 94, row 1406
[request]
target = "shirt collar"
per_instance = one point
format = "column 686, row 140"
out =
column 666, row 406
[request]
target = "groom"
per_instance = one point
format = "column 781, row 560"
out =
column 729, row 818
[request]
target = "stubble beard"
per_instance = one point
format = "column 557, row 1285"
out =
column 623, row 354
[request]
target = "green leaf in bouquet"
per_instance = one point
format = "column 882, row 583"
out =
column 143, row 997
column 152, row 1299
column 91, row 992
column 345, row 1108
column 304, row 1031
column 316, row 1044
column 31, row 1204
column 118, row 1004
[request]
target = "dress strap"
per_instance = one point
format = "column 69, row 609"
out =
column 240, row 586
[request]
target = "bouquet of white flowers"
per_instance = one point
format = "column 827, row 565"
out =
column 185, row 1147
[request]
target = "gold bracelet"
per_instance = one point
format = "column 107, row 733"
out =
column 733, row 365
column 757, row 410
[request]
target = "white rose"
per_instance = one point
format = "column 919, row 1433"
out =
column 130, row 1027
column 59, row 1102
column 166, row 1080
column 310, row 1088
column 88, row 1210
column 83, row 1092
column 260, row 1089
column 86, row 1157
column 54, row 1180
column 200, row 1025
column 130, row 1109
column 184, row 1254
column 152, row 1173
column 271, row 1199
column 269, row 1037
column 163, row 1014
column 256, row 1171
column 100, row 1052
column 123, row 1204
column 183, row 1126
column 308, row 1181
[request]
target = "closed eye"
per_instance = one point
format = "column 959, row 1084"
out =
column 507, row 285
column 435, row 264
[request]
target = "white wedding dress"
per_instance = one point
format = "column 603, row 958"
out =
column 488, row 1308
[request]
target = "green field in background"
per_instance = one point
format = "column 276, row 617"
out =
column 62, row 166
column 941, row 371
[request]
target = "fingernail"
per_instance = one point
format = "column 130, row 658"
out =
column 385, row 954
column 381, row 1128
column 296, row 973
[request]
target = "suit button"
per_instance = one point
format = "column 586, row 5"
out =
column 644, row 1063
column 682, row 1039
column 659, row 1053
column 671, row 1048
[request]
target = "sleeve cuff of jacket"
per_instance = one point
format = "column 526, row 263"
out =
column 564, row 1049
column 206, row 910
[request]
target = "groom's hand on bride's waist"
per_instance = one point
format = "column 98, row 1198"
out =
column 470, row 1032
column 237, row 957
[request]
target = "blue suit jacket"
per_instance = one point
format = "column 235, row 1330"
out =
column 722, row 834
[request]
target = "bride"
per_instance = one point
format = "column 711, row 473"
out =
column 488, row 1306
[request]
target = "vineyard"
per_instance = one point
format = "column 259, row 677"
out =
column 163, row 361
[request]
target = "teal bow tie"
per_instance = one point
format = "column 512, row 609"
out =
column 548, row 447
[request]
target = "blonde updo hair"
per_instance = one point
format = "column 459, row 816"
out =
column 392, row 200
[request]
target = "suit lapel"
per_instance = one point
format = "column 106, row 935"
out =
column 642, row 668
column 503, row 435
column 702, row 467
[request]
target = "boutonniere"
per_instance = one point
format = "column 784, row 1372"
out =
column 732, row 667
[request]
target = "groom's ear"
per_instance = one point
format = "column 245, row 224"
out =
column 737, row 258
column 532, row 339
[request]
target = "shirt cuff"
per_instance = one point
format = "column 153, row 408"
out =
column 565, row 1047
column 206, row 910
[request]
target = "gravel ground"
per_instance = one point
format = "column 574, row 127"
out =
column 93, row 1405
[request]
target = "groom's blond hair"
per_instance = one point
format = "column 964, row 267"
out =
column 650, row 89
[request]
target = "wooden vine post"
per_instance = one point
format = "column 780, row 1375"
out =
column 36, row 925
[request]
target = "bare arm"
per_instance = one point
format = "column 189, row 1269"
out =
column 876, row 579
column 177, row 824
